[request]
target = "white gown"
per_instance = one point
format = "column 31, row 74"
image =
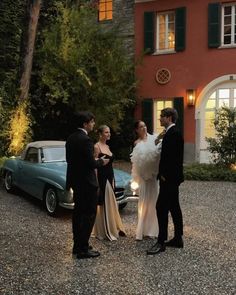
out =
column 145, row 162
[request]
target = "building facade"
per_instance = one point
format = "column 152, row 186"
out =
column 187, row 53
column 120, row 13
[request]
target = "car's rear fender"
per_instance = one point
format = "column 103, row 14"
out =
column 50, row 182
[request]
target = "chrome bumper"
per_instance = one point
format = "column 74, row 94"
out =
column 67, row 205
column 119, row 202
column 126, row 199
column 121, row 199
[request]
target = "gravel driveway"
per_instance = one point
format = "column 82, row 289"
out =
column 35, row 250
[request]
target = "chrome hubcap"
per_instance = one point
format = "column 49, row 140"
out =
column 51, row 200
column 8, row 181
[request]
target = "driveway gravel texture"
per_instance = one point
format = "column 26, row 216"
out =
column 36, row 258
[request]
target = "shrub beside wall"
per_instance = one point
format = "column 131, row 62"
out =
column 209, row 172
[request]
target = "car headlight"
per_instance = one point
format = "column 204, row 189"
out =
column 134, row 185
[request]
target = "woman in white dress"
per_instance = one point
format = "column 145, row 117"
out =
column 108, row 224
column 145, row 162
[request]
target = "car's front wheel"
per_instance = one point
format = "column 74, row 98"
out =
column 51, row 201
column 8, row 182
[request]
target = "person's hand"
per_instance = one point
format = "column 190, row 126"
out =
column 163, row 178
column 105, row 161
column 160, row 137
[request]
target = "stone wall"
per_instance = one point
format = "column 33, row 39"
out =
column 123, row 15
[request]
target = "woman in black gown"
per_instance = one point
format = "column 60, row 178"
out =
column 108, row 224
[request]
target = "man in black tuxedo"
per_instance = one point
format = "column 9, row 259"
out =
column 82, row 179
column 170, row 177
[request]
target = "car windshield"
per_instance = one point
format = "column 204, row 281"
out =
column 53, row 154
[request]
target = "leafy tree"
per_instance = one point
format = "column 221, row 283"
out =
column 11, row 23
column 223, row 146
column 83, row 67
column 19, row 126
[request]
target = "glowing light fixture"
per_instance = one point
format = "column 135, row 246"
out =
column 191, row 93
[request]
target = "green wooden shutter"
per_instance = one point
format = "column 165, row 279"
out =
column 180, row 28
column 214, row 25
column 179, row 106
column 149, row 32
column 147, row 113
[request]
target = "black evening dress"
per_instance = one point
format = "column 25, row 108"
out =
column 108, row 224
column 104, row 174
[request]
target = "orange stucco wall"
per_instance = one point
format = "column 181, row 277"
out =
column 193, row 68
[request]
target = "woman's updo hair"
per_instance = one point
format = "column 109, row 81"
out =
column 136, row 124
column 101, row 128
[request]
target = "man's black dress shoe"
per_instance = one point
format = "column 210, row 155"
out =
column 76, row 250
column 175, row 243
column 122, row 234
column 88, row 254
column 156, row 249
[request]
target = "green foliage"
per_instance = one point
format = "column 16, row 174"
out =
column 19, row 131
column 2, row 160
column 11, row 17
column 77, row 65
column 209, row 172
column 84, row 68
column 223, row 146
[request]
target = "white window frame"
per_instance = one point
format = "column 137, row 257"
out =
column 204, row 154
column 233, row 24
column 166, row 50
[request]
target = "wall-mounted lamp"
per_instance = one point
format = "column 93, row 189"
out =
column 191, row 97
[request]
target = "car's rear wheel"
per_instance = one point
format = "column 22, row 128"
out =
column 51, row 201
column 8, row 182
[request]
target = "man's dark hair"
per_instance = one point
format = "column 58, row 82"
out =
column 170, row 112
column 83, row 117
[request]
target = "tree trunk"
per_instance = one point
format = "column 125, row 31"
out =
column 34, row 10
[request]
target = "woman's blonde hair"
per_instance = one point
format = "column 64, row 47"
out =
column 101, row 128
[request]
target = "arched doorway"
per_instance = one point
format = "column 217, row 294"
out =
column 220, row 92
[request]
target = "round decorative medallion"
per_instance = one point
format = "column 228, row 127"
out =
column 163, row 76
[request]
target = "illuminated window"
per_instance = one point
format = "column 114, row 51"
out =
column 159, row 105
column 165, row 38
column 219, row 98
column 105, row 10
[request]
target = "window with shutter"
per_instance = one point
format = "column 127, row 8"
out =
column 165, row 23
column 167, row 29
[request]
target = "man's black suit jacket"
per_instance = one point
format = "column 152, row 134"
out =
column 171, row 162
column 80, row 161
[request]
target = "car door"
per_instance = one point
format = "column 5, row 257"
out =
column 29, row 172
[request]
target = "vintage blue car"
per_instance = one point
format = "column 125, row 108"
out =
column 41, row 172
